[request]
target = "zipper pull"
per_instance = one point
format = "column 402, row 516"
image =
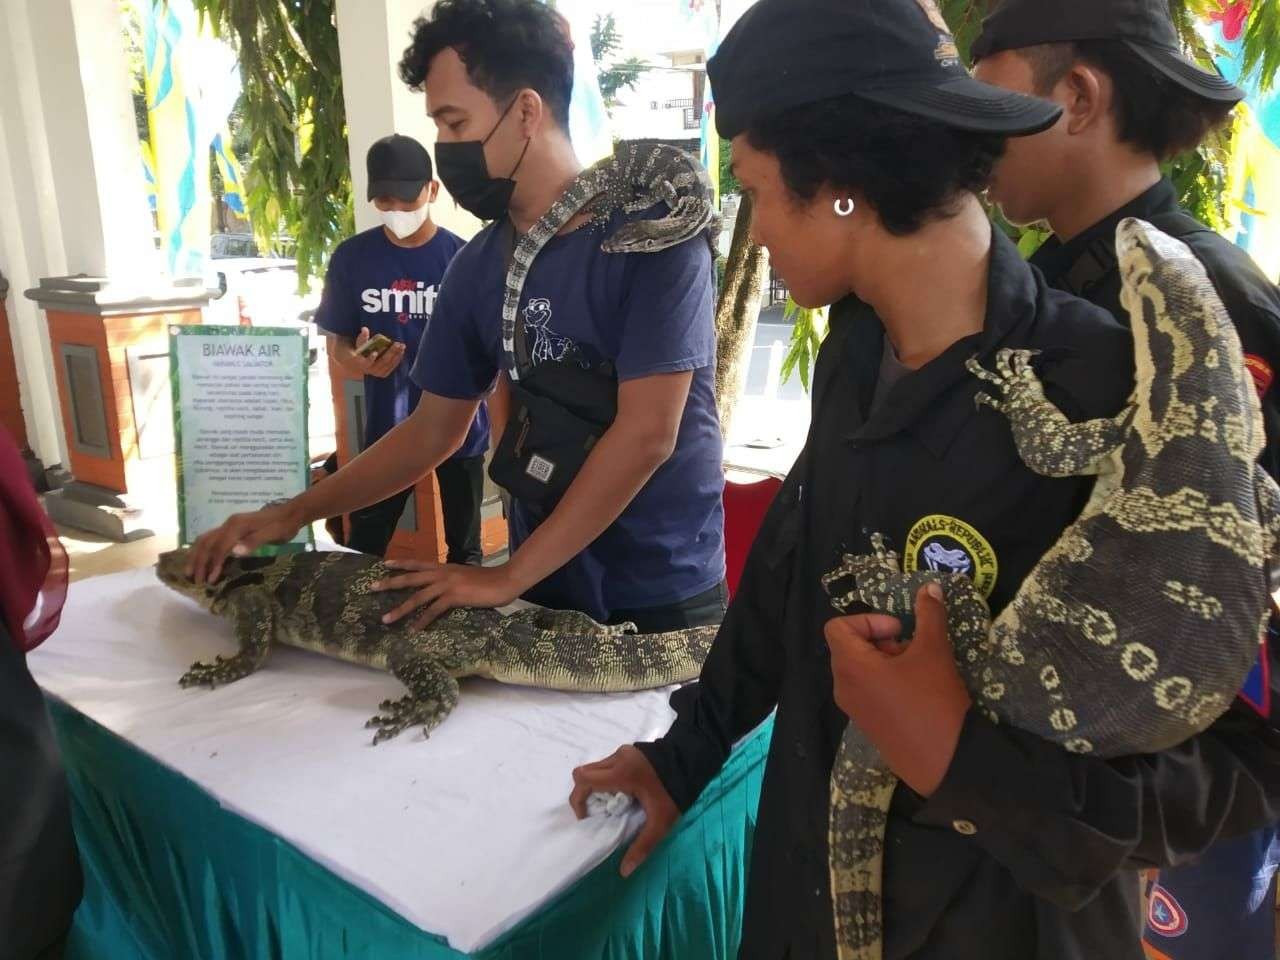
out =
column 524, row 434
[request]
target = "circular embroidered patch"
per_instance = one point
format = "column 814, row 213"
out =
column 1165, row 915
column 947, row 545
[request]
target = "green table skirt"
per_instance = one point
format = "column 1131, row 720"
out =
column 170, row 875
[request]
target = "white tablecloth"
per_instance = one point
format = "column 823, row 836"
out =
column 464, row 834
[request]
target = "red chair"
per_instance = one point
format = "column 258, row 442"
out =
column 745, row 505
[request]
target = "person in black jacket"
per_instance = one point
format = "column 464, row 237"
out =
column 1131, row 100
column 864, row 160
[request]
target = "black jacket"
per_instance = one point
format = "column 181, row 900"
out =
column 1086, row 266
column 40, row 882
column 1048, row 873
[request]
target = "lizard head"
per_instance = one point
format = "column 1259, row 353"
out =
column 171, row 570
column 1154, row 265
column 1182, row 333
column 1187, row 353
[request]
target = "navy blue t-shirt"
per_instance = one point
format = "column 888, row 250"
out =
column 392, row 290
column 647, row 314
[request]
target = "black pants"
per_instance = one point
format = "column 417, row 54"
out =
column 40, row 882
column 55, row 951
column 461, row 483
column 705, row 609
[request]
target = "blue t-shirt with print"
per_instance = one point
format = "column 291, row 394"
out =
column 392, row 290
column 647, row 314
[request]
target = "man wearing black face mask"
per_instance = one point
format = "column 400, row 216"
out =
column 638, row 533
column 465, row 169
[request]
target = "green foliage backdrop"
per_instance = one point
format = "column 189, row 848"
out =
column 298, row 176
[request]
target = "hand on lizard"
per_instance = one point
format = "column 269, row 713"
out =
column 443, row 586
column 908, row 698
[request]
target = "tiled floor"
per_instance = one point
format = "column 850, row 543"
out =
column 93, row 556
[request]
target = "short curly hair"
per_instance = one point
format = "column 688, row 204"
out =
column 506, row 45
column 911, row 170
column 1152, row 112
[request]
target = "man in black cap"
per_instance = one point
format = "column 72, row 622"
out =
column 1132, row 100
column 864, row 158
column 383, row 281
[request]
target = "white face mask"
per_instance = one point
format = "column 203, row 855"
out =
column 405, row 223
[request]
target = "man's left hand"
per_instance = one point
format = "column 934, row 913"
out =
column 908, row 699
column 443, row 586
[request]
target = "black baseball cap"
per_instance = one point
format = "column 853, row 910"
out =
column 783, row 54
column 1144, row 26
column 398, row 167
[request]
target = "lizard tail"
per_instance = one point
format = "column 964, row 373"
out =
column 565, row 650
column 861, row 790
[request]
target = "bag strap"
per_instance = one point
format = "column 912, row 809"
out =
column 1098, row 258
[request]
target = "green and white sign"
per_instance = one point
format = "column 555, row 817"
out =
column 239, row 422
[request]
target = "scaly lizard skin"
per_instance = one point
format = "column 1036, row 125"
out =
column 322, row 602
column 1137, row 628
column 635, row 178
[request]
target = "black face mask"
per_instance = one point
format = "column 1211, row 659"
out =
column 465, row 174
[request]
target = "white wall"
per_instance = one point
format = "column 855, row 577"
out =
column 72, row 197
column 30, row 229
column 93, row 143
column 634, row 116
column 372, row 36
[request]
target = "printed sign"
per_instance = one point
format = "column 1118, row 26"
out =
column 239, row 422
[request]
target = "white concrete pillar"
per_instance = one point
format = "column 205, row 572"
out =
column 72, row 192
column 30, row 230
column 372, row 36
column 93, row 143
column 32, row 355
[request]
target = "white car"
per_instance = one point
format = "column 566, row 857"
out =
column 262, row 292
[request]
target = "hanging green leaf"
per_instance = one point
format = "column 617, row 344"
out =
column 807, row 333
column 298, row 174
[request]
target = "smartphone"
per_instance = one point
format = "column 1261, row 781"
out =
column 374, row 347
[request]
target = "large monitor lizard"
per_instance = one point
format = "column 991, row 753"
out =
column 322, row 602
column 1136, row 629
column 635, row 178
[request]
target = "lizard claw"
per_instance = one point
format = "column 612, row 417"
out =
column 979, row 371
column 208, row 674
column 1022, row 363
column 399, row 715
column 986, row 400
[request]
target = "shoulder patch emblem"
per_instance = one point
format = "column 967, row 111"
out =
column 1261, row 372
column 1165, row 915
column 948, row 545
column 1256, row 691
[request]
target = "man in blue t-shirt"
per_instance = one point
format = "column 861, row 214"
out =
column 638, row 534
column 384, row 281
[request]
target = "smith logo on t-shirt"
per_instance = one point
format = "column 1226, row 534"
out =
column 404, row 297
